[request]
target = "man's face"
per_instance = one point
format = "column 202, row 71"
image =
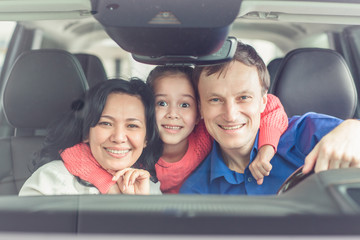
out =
column 231, row 105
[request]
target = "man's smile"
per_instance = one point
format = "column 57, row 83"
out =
column 232, row 127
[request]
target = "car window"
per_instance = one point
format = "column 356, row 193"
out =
column 6, row 31
column 267, row 50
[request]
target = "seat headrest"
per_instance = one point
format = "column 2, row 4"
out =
column 272, row 67
column 41, row 85
column 315, row 80
column 93, row 68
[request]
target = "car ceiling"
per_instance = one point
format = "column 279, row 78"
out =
column 281, row 21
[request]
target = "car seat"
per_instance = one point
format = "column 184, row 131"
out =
column 93, row 68
column 41, row 85
column 272, row 67
column 315, row 80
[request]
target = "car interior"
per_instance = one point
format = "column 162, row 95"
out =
column 93, row 68
column 57, row 51
column 316, row 83
column 44, row 70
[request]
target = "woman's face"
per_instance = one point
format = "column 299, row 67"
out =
column 119, row 137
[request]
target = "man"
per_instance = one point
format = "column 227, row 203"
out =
column 232, row 97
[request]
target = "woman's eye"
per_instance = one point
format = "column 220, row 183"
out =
column 133, row 126
column 104, row 123
column 184, row 105
column 161, row 103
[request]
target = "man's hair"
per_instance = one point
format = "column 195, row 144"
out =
column 245, row 54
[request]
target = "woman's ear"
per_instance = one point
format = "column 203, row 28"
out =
column 145, row 143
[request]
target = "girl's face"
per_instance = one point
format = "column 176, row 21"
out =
column 176, row 108
column 119, row 137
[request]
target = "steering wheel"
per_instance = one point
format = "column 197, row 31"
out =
column 293, row 180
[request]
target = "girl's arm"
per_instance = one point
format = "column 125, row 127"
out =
column 273, row 123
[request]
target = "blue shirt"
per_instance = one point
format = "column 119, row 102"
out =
column 214, row 177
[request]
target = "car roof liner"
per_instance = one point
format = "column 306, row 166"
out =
column 183, row 29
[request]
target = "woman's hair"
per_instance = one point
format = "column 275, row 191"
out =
column 165, row 71
column 75, row 125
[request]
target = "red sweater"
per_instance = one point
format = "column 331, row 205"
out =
column 273, row 123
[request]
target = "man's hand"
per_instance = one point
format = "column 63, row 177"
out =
column 338, row 149
column 261, row 166
column 133, row 181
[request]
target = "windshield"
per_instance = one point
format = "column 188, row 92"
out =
column 161, row 130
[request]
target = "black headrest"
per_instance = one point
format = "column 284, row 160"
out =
column 41, row 85
column 315, row 80
column 272, row 67
column 93, row 68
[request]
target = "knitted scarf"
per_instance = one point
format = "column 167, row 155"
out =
column 80, row 162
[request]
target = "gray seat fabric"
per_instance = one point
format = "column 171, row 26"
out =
column 42, row 84
column 93, row 68
column 272, row 67
column 315, row 80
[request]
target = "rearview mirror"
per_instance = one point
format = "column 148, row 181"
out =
column 224, row 54
column 157, row 28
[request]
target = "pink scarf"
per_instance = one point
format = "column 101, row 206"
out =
column 81, row 163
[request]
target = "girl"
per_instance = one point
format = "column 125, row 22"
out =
column 111, row 132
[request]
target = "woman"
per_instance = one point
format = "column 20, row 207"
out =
column 114, row 128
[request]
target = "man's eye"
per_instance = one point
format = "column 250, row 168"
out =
column 184, row 105
column 161, row 103
column 245, row 98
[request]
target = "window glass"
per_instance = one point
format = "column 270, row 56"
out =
column 6, row 30
column 267, row 50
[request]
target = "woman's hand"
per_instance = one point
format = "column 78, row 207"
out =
column 133, row 181
column 114, row 189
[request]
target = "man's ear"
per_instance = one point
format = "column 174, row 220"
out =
column 263, row 102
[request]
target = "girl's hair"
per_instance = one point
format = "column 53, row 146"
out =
column 75, row 125
column 165, row 71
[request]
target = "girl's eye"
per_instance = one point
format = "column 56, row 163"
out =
column 133, row 126
column 214, row 100
column 161, row 103
column 184, row 105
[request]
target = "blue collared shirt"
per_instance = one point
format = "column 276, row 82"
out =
column 214, row 177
